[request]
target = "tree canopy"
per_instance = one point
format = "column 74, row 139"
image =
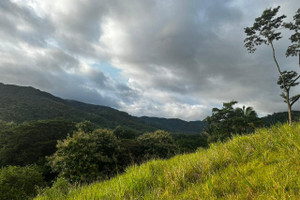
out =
column 228, row 121
column 85, row 157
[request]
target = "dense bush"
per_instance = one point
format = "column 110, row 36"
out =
column 85, row 157
column 19, row 182
column 30, row 142
column 188, row 143
column 59, row 189
column 159, row 144
column 125, row 133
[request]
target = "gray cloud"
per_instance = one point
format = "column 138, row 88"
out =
column 176, row 58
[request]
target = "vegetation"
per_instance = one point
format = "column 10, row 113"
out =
column 20, row 104
column 65, row 149
column 175, row 125
column 20, row 182
column 228, row 121
column 86, row 157
column 30, row 142
column 264, row 165
column 265, row 30
column 280, row 117
column 188, row 143
column 159, row 144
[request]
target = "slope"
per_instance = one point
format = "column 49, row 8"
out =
column 280, row 117
column 265, row 165
column 19, row 104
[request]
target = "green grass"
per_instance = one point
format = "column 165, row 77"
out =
column 265, row 165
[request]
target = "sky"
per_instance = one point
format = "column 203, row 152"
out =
column 171, row 58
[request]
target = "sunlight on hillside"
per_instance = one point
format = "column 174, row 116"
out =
column 264, row 165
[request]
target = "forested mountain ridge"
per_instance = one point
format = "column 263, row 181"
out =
column 174, row 124
column 19, row 104
column 280, row 117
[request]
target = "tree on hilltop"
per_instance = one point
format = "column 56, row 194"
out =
column 266, row 30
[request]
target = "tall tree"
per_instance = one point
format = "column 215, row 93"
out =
column 265, row 30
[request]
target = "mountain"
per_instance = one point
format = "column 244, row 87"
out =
column 264, row 165
column 175, row 125
column 19, row 104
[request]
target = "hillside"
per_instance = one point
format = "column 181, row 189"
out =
column 175, row 125
column 19, row 104
column 281, row 117
column 264, row 165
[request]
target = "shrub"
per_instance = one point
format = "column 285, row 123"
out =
column 19, row 182
column 159, row 144
column 86, row 157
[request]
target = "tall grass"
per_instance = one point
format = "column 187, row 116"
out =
column 265, row 165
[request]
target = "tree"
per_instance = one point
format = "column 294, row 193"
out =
column 228, row 121
column 30, row 142
column 86, row 126
column 265, row 30
column 159, row 144
column 124, row 133
column 86, row 157
column 20, row 182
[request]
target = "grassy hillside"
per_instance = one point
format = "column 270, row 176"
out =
column 265, row 165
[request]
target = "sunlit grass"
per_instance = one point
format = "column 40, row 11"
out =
column 265, row 165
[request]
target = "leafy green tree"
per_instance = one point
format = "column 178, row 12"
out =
column 266, row 30
column 85, row 126
column 290, row 80
column 124, row 133
column 159, row 144
column 20, row 182
column 130, row 153
column 85, row 157
column 247, row 119
column 228, row 121
column 30, row 142
column 188, row 143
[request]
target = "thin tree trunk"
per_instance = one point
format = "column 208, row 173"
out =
column 290, row 114
column 289, row 106
column 277, row 65
column 284, row 85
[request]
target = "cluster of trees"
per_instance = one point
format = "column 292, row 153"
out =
column 79, row 152
column 98, row 154
column 20, row 182
column 228, row 121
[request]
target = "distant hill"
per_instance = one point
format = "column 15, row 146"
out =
column 175, row 125
column 280, row 117
column 19, row 104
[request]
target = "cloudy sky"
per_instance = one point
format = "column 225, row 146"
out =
column 168, row 58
